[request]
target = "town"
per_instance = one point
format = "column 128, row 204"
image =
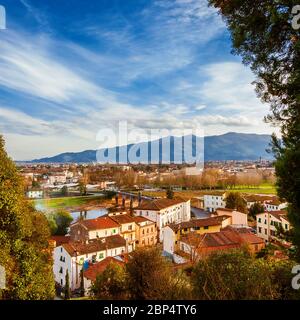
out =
column 230, row 205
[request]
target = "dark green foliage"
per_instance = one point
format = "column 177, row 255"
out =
column 262, row 34
column 67, row 289
column 235, row 275
column 255, row 209
column 24, row 250
column 111, row 283
column 170, row 193
column 235, row 201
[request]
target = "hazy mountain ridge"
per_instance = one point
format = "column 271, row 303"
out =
column 229, row 146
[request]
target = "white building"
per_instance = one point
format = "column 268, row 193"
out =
column 275, row 205
column 35, row 194
column 214, row 200
column 266, row 223
column 73, row 256
column 164, row 212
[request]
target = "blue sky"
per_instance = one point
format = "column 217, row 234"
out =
column 70, row 68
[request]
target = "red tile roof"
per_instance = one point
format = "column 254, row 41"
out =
column 59, row 240
column 122, row 218
column 95, row 245
column 98, row 223
column 158, row 204
column 94, row 270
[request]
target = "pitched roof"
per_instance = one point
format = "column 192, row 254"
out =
column 122, row 218
column 279, row 214
column 213, row 221
column 159, row 204
column 92, row 272
column 95, row 245
column 98, row 223
column 141, row 219
column 59, row 240
column 225, row 237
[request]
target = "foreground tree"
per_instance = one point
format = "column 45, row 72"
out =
column 149, row 275
column 236, row 275
column 234, row 200
column 263, row 35
column 111, row 283
column 24, row 234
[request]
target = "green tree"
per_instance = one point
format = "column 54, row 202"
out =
column 24, row 249
column 63, row 220
column 82, row 290
column 149, row 275
column 82, row 188
column 262, row 34
column 170, row 193
column 255, row 209
column 234, row 200
column 64, row 191
column 111, row 283
column 236, row 275
column 67, row 289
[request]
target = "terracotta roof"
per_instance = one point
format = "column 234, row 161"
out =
column 92, row 272
column 59, row 240
column 231, row 236
column 279, row 214
column 140, row 219
column 213, row 221
column 95, row 245
column 122, row 218
column 258, row 198
column 158, row 204
column 98, row 223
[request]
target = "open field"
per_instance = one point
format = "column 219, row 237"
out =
column 188, row 194
column 70, row 203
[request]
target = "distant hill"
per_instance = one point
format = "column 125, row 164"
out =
column 229, row 146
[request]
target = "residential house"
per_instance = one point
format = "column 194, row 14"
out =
column 214, row 200
column 146, row 232
column 83, row 230
column 127, row 227
column 198, row 246
column 174, row 232
column 165, row 211
column 237, row 218
column 76, row 256
column 267, row 223
column 275, row 205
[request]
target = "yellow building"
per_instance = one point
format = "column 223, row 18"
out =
column 173, row 232
column 127, row 228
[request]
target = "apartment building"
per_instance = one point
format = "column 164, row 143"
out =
column 164, row 211
column 268, row 222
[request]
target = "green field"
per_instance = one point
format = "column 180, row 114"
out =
column 69, row 203
column 188, row 194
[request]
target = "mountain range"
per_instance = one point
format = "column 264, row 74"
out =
column 229, row 146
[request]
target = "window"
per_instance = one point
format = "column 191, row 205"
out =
column 206, row 227
column 266, row 231
column 265, row 221
column 286, row 226
column 114, row 231
column 61, row 270
column 259, row 229
column 130, row 227
column 101, row 255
